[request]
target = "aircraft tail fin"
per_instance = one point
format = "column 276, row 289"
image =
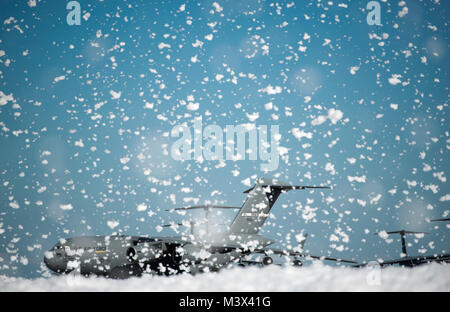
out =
column 301, row 243
column 261, row 198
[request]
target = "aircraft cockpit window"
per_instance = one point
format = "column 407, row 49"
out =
column 58, row 250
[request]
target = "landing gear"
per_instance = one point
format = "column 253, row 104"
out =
column 125, row 272
column 169, row 263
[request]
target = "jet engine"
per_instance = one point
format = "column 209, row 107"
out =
column 267, row 261
column 131, row 254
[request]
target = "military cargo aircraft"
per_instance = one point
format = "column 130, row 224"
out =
column 407, row 260
column 122, row 256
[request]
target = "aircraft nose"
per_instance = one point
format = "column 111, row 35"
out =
column 55, row 262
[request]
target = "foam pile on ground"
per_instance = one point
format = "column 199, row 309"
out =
column 317, row 277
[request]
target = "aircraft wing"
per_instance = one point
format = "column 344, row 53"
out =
column 256, row 263
column 291, row 253
column 176, row 240
column 414, row 261
column 444, row 219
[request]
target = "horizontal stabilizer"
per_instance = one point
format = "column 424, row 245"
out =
column 204, row 207
column 444, row 219
column 282, row 185
column 403, row 237
column 403, row 232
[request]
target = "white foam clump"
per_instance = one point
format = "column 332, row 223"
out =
column 316, row 277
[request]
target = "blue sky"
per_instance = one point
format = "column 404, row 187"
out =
column 87, row 112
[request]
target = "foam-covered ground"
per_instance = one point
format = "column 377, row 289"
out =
column 317, row 277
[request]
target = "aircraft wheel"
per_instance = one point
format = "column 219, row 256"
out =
column 298, row 263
